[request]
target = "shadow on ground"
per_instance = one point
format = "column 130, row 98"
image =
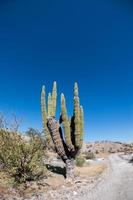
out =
column 57, row 169
column 131, row 161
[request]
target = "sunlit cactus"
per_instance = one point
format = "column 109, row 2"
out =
column 67, row 141
column 81, row 126
column 48, row 112
column 54, row 97
column 49, row 105
column 44, row 115
column 66, row 124
column 77, row 131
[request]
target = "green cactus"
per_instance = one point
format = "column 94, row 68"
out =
column 66, row 123
column 68, row 141
column 49, row 105
column 44, row 115
column 51, row 112
column 54, row 97
column 76, row 116
column 81, row 126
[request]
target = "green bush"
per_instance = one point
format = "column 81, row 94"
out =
column 21, row 159
column 96, row 152
column 80, row 160
column 89, row 155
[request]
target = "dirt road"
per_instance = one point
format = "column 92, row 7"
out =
column 117, row 184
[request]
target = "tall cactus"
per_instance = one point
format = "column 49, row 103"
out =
column 49, row 104
column 66, row 124
column 81, row 126
column 67, row 141
column 77, row 116
column 51, row 112
column 54, row 97
column 44, row 115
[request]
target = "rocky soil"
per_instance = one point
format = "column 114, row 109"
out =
column 114, row 184
column 108, row 146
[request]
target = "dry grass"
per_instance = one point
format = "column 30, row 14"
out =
column 90, row 171
column 102, row 155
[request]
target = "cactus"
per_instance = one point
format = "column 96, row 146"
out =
column 66, row 124
column 51, row 112
column 44, row 115
column 67, row 141
column 81, row 125
column 49, row 104
column 76, row 116
column 54, row 97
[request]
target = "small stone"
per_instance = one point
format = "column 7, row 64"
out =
column 74, row 193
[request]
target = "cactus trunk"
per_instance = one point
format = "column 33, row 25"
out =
column 70, row 165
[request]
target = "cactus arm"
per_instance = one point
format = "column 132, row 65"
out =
column 44, row 113
column 49, row 105
column 76, row 116
column 54, row 97
column 81, row 125
column 66, row 124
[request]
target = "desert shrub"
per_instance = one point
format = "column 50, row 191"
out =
column 111, row 150
column 21, row 159
column 96, row 152
column 80, row 160
column 89, row 155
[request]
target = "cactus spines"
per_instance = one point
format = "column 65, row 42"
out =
column 54, row 96
column 76, row 116
column 66, row 124
column 49, row 105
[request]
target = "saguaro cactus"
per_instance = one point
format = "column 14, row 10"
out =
column 67, row 141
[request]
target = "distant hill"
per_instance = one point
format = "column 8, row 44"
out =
column 108, row 146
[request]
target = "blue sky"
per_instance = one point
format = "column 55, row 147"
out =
column 90, row 42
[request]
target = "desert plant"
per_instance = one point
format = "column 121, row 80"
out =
column 80, row 160
column 22, row 160
column 89, row 155
column 48, row 112
column 67, row 141
column 96, row 152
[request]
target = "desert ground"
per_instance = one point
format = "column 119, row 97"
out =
column 114, row 184
column 107, row 177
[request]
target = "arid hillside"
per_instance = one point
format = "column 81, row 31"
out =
column 108, row 147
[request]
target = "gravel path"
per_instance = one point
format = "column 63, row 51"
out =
column 116, row 184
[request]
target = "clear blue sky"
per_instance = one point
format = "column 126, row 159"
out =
column 90, row 42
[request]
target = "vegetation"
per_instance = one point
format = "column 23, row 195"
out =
column 67, row 141
column 48, row 112
column 89, row 155
column 21, row 159
column 80, row 160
